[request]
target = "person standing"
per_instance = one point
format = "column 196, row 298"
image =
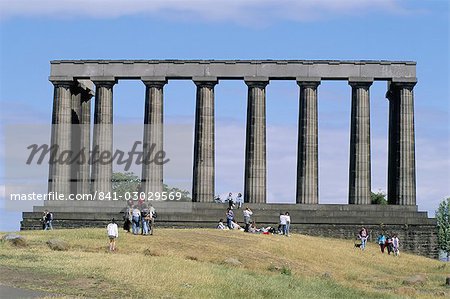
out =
column 282, row 227
column 363, row 235
column 128, row 217
column 230, row 217
column 396, row 245
column 48, row 221
column 152, row 219
column 247, row 218
column 136, row 219
column 381, row 241
column 113, row 233
column 389, row 246
column 288, row 224
column 230, row 200
column 145, row 219
column 239, row 200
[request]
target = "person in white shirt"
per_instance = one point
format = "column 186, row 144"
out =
column 220, row 225
column 239, row 201
column 288, row 224
column 152, row 218
column 282, row 227
column 396, row 244
column 113, row 233
column 247, row 218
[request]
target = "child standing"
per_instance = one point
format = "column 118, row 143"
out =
column 113, row 233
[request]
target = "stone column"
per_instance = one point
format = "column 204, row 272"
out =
column 255, row 148
column 152, row 174
column 84, row 176
column 307, row 153
column 59, row 173
column 359, row 173
column 401, row 157
column 76, row 137
column 203, row 170
column 103, row 136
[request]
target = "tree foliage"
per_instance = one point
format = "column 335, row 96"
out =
column 443, row 225
column 123, row 182
column 378, row 198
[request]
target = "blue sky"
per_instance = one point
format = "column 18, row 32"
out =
column 33, row 34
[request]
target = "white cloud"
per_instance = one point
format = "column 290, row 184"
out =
column 239, row 11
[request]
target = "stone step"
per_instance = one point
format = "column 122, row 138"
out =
column 221, row 212
column 262, row 218
column 216, row 206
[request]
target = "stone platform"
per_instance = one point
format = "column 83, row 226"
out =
column 417, row 232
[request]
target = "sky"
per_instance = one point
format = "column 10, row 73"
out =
column 32, row 33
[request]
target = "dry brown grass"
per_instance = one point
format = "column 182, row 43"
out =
column 180, row 263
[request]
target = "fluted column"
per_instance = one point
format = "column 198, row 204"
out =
column 103, row 136
column 255, row 149
column 307, row 153
column 204, row 160
column 84, row 174
column 359, row 172
column 152, row 173
column 75, row 137
column 59, row 172
column 401, row 159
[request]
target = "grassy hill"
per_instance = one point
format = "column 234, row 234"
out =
column 190, row 263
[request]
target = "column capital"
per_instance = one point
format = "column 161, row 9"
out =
column 205, row 81
column 363, row 82
column 107, row 81
column 63, row 83
column 158, row 82
column 311, row 82
column 260, row 82
column 403, row 83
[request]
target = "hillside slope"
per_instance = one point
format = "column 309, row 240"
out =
column 190, row 263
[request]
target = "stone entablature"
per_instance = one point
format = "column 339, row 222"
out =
column 234, row 69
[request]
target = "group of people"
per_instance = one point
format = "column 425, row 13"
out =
column 391, row 243
column 140, row 218
column 250, row 225
column 46, row 220
column 235, row 202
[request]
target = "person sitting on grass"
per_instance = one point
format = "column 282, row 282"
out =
column 253, row 229
column 236, row 226
column 220, row 225
column 113, row 233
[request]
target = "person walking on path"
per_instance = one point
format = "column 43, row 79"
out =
column 288, row 224
column 363, row 236
column 113, row 233
column 381, row 241
column 230, row 217
column 136, row 218
column 247, row 218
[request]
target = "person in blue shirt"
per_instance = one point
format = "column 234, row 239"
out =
column 381, row 239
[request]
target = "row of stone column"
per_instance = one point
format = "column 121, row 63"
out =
column 71, row 130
